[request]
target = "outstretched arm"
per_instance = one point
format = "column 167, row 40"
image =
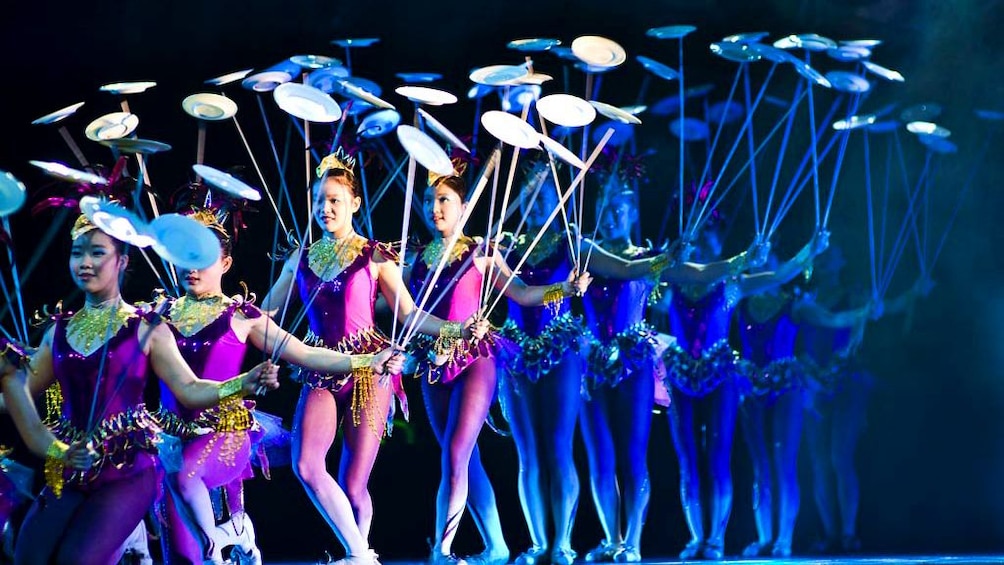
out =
column 534, row 295
column 192, row 391
column 276, row 297
column 812, row 313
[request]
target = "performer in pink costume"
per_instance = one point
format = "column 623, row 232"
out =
column 101, row 467
column 338, row 278
column 213, row 332
column 459, row 377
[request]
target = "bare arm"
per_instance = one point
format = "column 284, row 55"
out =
column 522, row 293
column 687, row 273
column 812, row 313
column 611, row 266
column 276, row 297
column 761, row 282
column 192, row 391
column 19, row 386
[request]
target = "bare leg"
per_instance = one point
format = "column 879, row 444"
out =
column 788, row 414
column 359, row 453
column 752, row 411
column 557, row 411
column 600, row 452
column 818, row 427
column 633, row 398
column 681, row 426
column 721, row 431
column 314, row 427
column 848, row 425
column 520, row 402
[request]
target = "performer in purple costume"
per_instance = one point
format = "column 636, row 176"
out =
column 106, row 479
column 213, row 332
column 773, row 400
column 701, row 369
column 620, row 388
column 459, row 391
column 338, row 278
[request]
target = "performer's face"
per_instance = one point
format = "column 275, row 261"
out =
column 618, row 218
column 208, row 281
column 443, row 206
column 334, row 206
column 95, row 264
column 546, row 202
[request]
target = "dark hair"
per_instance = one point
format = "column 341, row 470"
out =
column 457, row 184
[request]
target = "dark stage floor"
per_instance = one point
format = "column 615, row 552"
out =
column 862, row 560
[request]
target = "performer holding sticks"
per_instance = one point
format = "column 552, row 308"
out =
column 701, row 369
column 459, row 376
column 101, row 469
column 213, row 332
column 338, row 278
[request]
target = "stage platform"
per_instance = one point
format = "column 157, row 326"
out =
column 857, row 560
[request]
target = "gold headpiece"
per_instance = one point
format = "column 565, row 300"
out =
column 211, row 220
column 459, row 167
column 80, row 227
column 337, row 160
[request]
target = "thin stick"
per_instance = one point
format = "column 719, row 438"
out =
column 405, row 223
column 261, row 177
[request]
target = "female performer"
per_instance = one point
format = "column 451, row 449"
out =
column 459, row 392
column 100, row 459
column 213, row 332
column 338, row 278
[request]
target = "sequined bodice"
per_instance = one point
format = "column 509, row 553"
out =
column 770, row 339
column 460, row 300
column 612, row 306
column 551, row 269
column 123, row 375
column 698, row 323
column 343, row 305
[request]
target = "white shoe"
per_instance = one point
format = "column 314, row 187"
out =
column 245, row 543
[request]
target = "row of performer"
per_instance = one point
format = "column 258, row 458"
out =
column 598, row 331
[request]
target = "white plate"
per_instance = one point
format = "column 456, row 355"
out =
column 855, row 122
column 326, row 79
column 111, row 126
column 116, row 221
column 927, row 129
column 315, row 62
column 532, row 45
column 812, row 74
column 355, row 91
column 266, row 81
column 598, row 51
column 229, row 77
column 747, row 37
column 844, row 81
column 566, row 110
column 499, row 75
column 425, row 150
column 136, row 145
column 207, row 106
column 690, row 129
column 378, row 123
column 815, row 42
column 883, row 72
column 356, row 42
column 307, row 103
column 510, row 129
column 738, row 52
column 670, row 32
column 62, row 172
column 128, row 87
column 561, row 152
column 614, row 113
column 426, row 95
column 58, row 115
column 866, row 43
column 184, row 241
column 660, row 70
column 12, row 194
column 419, row 77
column 227, row 183
column 442, row 131
column 849, row 53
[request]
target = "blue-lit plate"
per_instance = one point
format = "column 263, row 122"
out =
column 886, row 73
column 58, row 115
column 499, row 75
column 116, row 221
column 326, row 79
column 184, row 242
column 670, row 32
column 419, row 77
column 128, row 87
column 844, row 81
column 855, row 122
column 12, row 194
column 689, row 129
column 315, row 62
column 928, row 129
column 227, row 183
column 266, row 81
column 350, row 88
column 533, row 45
column 738, row 52
column 425, row 150
column 229, row 77
column 660, row 70
column 62, row 172
column 356, row 42
column 378, row 123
